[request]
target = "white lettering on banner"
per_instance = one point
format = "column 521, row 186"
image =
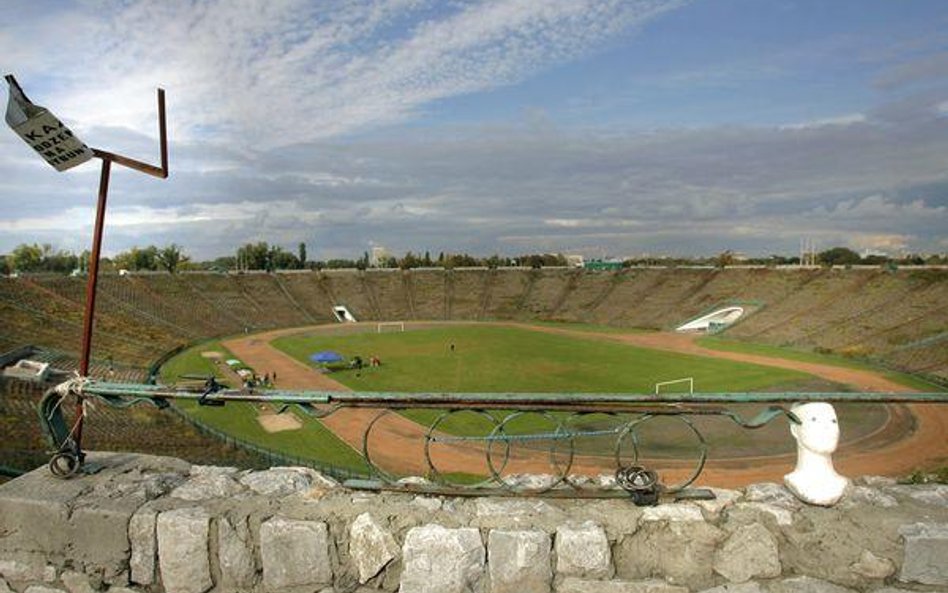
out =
column 53, row 141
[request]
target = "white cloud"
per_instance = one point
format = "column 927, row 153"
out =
column 840, row 120
column 266, row 74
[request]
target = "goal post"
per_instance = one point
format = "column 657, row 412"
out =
column 390, row 326
column 689, row 380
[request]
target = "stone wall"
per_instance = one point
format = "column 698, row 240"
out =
column 153, row 524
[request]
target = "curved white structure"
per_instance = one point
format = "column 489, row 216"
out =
column 721, row 317
column 342, row 314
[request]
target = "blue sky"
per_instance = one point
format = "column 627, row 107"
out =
column 598, row 127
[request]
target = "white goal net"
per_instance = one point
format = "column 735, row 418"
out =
column 390, row 326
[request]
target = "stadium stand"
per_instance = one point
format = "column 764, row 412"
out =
column 308, row 291
column 428, row 293
column 897, row 316
column 389, row 294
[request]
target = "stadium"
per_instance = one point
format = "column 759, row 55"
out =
column 798, row 330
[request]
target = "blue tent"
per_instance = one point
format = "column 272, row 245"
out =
column 326, row 356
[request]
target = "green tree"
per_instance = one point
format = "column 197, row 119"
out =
column 280, row 259
column 27, row 258
column 137, row 259
column 171, row 257
column 254, row 256
column 838, row 256
column 302, row 255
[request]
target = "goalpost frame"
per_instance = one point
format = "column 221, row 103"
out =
column 689, row 380
column 397, row 324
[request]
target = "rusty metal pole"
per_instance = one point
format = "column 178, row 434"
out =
column 89, row 315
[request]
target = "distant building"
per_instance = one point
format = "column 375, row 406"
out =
column 575, row 261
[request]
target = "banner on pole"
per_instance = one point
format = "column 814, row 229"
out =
column 43, row 131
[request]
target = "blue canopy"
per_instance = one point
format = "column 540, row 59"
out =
column 326, row 356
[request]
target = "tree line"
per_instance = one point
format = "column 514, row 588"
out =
column 36, row 258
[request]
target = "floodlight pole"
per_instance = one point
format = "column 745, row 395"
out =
column 89, row 316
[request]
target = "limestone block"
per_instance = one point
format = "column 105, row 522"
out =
column 283, row 481
column 77, row 582
column 183, row 550
column 806, row 585
column 371, row 546
column 441, row 560
column 672, row 512
column 141, row 537
column 749, row 552
column 294, row 553
column 681, row 552
column 5, row 587
column 27, row 567
column 42, row 589
column 782, row 516
column 519, row 561
column 205, row 486
column 429, row 503
column 735, row 588
column 864, row 495
column 772, row 493
column 235, row 555
column 583, row 551
column 926, row 553
column 574, row 585
column 932, row 494
column 723, row 499
column 499, row 507
column 873, row 567
column 213, row 470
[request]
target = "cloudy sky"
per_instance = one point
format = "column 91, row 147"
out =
column 602, row 127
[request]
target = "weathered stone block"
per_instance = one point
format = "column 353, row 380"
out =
column 750, row 511
column 749, row 552
column 183, row 550
column 519, row 561
column 873, row 567
column 583, row 551
column 574, row 585
column 735, row 588
column 926, row 553
column 144, row 546
column 441, row 560
column 77, row 582
column 672, row 512
column 283, row 481
column 5, row 587
column 26, row 566
column 371, row 546
column 806, row 585
column 42, row 589
column 772, row 493
column 682, row 553
column 294, row 553
column 205, row 486
column 235, row 555
column 723, row 498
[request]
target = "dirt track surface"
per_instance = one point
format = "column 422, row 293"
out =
column 915, row 436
